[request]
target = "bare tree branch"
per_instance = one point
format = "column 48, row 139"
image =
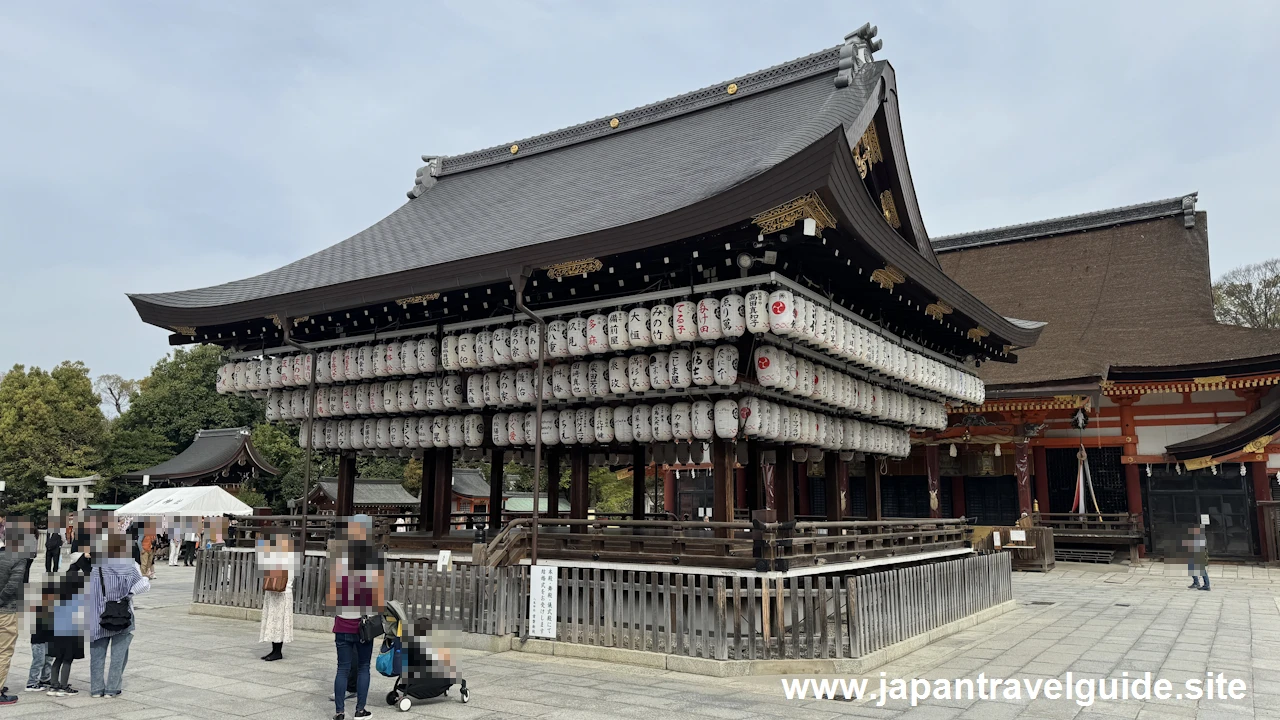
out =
column 1249, row 295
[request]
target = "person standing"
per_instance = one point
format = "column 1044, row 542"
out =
column 67, row 643
column 19, row 547
column 148, row 533
column 280, row 564
column 53, row 548
column 1198, row 546
column 355, row 591
column 188, row 541
column 175, row 541
column 113, row 579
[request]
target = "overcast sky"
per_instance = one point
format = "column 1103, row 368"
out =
column 154, row 146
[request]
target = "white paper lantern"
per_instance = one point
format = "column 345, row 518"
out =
column 702, row 419
column 547, row 394
column 682, row 421
column 800, row 327
column 558, row 339
column 561, row 387
column 576, row 334
column 376, row 405
column 428, row 355
column 452, row 391
column 524, row 386
column 519, row 346
column 355, row 435
column 449, row 353
column 566, row 422
column 467, row 357
column 364, row 393
column 533, row 341
column 769, row 366
column 660, row 419
column 321, row 399
column 638, row 332
column 749, row 416
column 273, row 405
column 501, row 343
column 507, row 394
column 418, row 395
column 350, row 366
column 618, row 381
column 584, row 430
column 756, row 308
column 578, row 379
column 597, row 335
column 704, row 366
column 484, row 349
column 642, row 423
column 637, row 373
column 789, row 372
column 710, row 326
column 661, row 330
column 492, row 389
column 681, row 368
column 733, row 315
column 660, row 370
column 499, row 432
column 404, row 396
column 684, row 320
column 550, row 427
column 286, row 373
column 473, row 430
column 434, row 394
column 324, row 368
column 619, row 338
column 382, row 433
column 343, row 432
column 457, row 435
column 598, row 378
column 604, row 424
column 240, row 377
column 725, row 365
column 393, row 362
column 804, row 378
column 391, row 397
column 409, row 357
column 423, row 433
column 378, row 360
column 512, row 427
column 395, row 433
column 475, row 390
column 623, row 430
column 529, row 423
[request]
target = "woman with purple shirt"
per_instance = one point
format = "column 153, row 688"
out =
column 355, row 591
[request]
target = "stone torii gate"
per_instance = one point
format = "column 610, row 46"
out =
column 70, row 488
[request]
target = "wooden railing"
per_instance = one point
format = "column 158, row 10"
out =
column 1035, row 552
column 690, row 613
column 1269, row 533
column 1096, row 527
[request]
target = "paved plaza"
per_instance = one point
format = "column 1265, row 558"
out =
column 1087, row 620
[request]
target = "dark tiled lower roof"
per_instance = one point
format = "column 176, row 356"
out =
column 1230, row 438
column 1168, row 207
column 211, row 451
column 370, row 491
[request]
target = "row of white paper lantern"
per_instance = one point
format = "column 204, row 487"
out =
column 679, row 370
column 676, row 422
column 709, row 319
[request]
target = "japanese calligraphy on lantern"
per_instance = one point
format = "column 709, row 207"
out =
column 542, row 601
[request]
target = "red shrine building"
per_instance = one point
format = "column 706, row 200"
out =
column 1182, row 412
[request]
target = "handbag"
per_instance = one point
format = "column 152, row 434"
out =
column 116, row 616
column 370, row 628
column 275, row 580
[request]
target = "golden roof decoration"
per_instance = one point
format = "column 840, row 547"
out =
column 888, row 276
column 1259, row 445
column 424, row 299
column 866, row 152
column 937, row 309
column 890, row 209
column 789, row 213
column 574, row 267
column 976, row 334
column 184, row 330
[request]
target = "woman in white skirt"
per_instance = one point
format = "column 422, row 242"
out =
column 280, row 564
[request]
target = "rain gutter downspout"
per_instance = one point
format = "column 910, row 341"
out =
column 285, row 323
column 518, row 283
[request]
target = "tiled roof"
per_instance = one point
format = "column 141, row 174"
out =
column 211, row 451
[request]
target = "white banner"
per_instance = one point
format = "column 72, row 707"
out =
column 542, row 601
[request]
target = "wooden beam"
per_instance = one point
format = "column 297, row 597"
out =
column 957, row 496
column 874, row 511
column 637, row 481
column 802, row 483
column 346, row 485
column 496, row 458
column 443, row 495
column 427, row 493
column 1040, row 466
column 579, row 476
column 783, row 484
column 1022, row 475
column 833, row 474
column 553, row 483
column 722, row 483
column 754, row 491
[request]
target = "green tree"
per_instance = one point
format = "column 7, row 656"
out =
column 179, row 398
column 1249, row 295
column 116, row 390
column 128, row 451
column 252, row 498
column 50, row 424
column 279, row 446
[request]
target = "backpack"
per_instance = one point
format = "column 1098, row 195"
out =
column 54, row 541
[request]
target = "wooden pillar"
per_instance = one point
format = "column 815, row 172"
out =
column 783, row 484
column 933, row 470
column 752, row 476
column 957, row 496
column 722, row 483
column 803, row 506
column 740, row 489
column 637, row 482
column 1132, row 476
column 553, row 484
column 427, row 494
column 874, row 511
column 579, row 473
column 1040, row 466
column 346, row 485
column 1258, row 475
column 669, row 491
column 1022, row 476
column 443, row 495
column 496, row 457
column 834, row 475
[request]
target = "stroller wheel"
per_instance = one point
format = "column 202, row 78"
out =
column 464, row 695
column 392, row 697
column 405, row 704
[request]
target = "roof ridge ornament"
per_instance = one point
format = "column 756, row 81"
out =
column 426, row 176
column 856, row 52
column 1189, row 211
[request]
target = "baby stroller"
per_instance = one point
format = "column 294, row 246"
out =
column 419, row 671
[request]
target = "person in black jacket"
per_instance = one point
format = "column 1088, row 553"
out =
column 53, row 548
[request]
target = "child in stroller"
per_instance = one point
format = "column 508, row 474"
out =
column 421, row 671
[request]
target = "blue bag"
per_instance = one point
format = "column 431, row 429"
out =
column 388, row 663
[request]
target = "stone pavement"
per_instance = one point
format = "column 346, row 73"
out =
column 1088, row 620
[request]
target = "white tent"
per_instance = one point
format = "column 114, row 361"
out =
column 204, row 501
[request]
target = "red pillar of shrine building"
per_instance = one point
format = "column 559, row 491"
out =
column 669, row 491
column 802, row 479
column 1040, row 467
column 1258, row 470
column 740, row 488
column 1132, row 478
column 933, row 469
column 1022, row 475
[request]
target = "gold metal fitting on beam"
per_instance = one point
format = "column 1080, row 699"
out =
column 733, row 88
column 515, row 149
column 938, row 309
column 574, row 267
column 889, row 209
column 793, row 211
column 888, row 276
column 1259, row 445
column 976, row 334
column 866, row 152
column 424, row 299
column 184, row 330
